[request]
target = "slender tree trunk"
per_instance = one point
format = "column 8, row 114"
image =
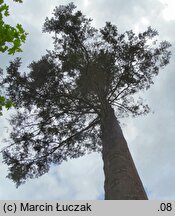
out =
column 122, row 181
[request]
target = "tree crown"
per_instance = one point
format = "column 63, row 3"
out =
column 62, row 100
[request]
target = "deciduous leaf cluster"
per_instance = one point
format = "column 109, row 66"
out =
column 11, row 38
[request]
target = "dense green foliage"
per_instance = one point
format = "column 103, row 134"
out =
column 11, row 39
column 62, row 100
column 3, row 103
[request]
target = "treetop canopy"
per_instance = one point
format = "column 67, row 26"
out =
column 63, row 99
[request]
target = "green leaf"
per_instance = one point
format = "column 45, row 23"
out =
column 15, row 36
column 4, row 8
column 3, row 49
column 17, row 43
column 9, row 104
column 2, row 100
column 11, row 51
column 20, row 28
column 20, row 1
column 23, row 37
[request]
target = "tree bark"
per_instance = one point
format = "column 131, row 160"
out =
column 122, row 181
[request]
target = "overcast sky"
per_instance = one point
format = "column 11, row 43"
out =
column 150, row 138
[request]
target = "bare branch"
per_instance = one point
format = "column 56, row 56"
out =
column 92, row 124
column 115, row 98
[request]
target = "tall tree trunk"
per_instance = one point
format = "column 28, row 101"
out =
column 122, row 181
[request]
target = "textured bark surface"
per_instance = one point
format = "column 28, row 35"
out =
column 122, row 181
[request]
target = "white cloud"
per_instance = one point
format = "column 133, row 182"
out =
column 168, row 12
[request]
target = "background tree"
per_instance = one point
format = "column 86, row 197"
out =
column 11, row 39
column 70, row 101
